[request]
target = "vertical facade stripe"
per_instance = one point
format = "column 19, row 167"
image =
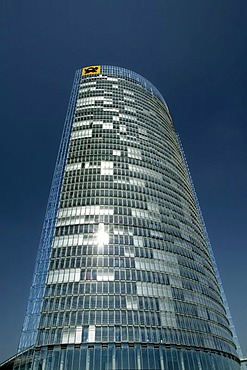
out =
column 226, row 305
column 31, row 321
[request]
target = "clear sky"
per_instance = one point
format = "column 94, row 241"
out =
column 193, row 51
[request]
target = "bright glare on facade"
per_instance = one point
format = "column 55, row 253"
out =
column 125, row 277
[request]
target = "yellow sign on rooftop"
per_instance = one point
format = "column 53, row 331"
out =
column 92, row 70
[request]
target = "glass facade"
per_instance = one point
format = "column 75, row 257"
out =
column 124, row 277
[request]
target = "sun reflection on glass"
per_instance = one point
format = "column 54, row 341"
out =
column 102, row 235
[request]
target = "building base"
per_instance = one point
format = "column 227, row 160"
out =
column 121, row 356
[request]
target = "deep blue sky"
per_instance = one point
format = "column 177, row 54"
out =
column 193, row 51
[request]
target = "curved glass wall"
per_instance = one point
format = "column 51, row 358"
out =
column 130, row 280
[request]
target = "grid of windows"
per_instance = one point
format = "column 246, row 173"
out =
column 129, row 261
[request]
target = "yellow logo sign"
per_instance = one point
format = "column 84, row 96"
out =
column 92, row 70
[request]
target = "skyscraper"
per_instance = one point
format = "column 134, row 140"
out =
column 125, row 276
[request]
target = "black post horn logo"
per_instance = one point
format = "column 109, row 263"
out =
column 91, row 70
